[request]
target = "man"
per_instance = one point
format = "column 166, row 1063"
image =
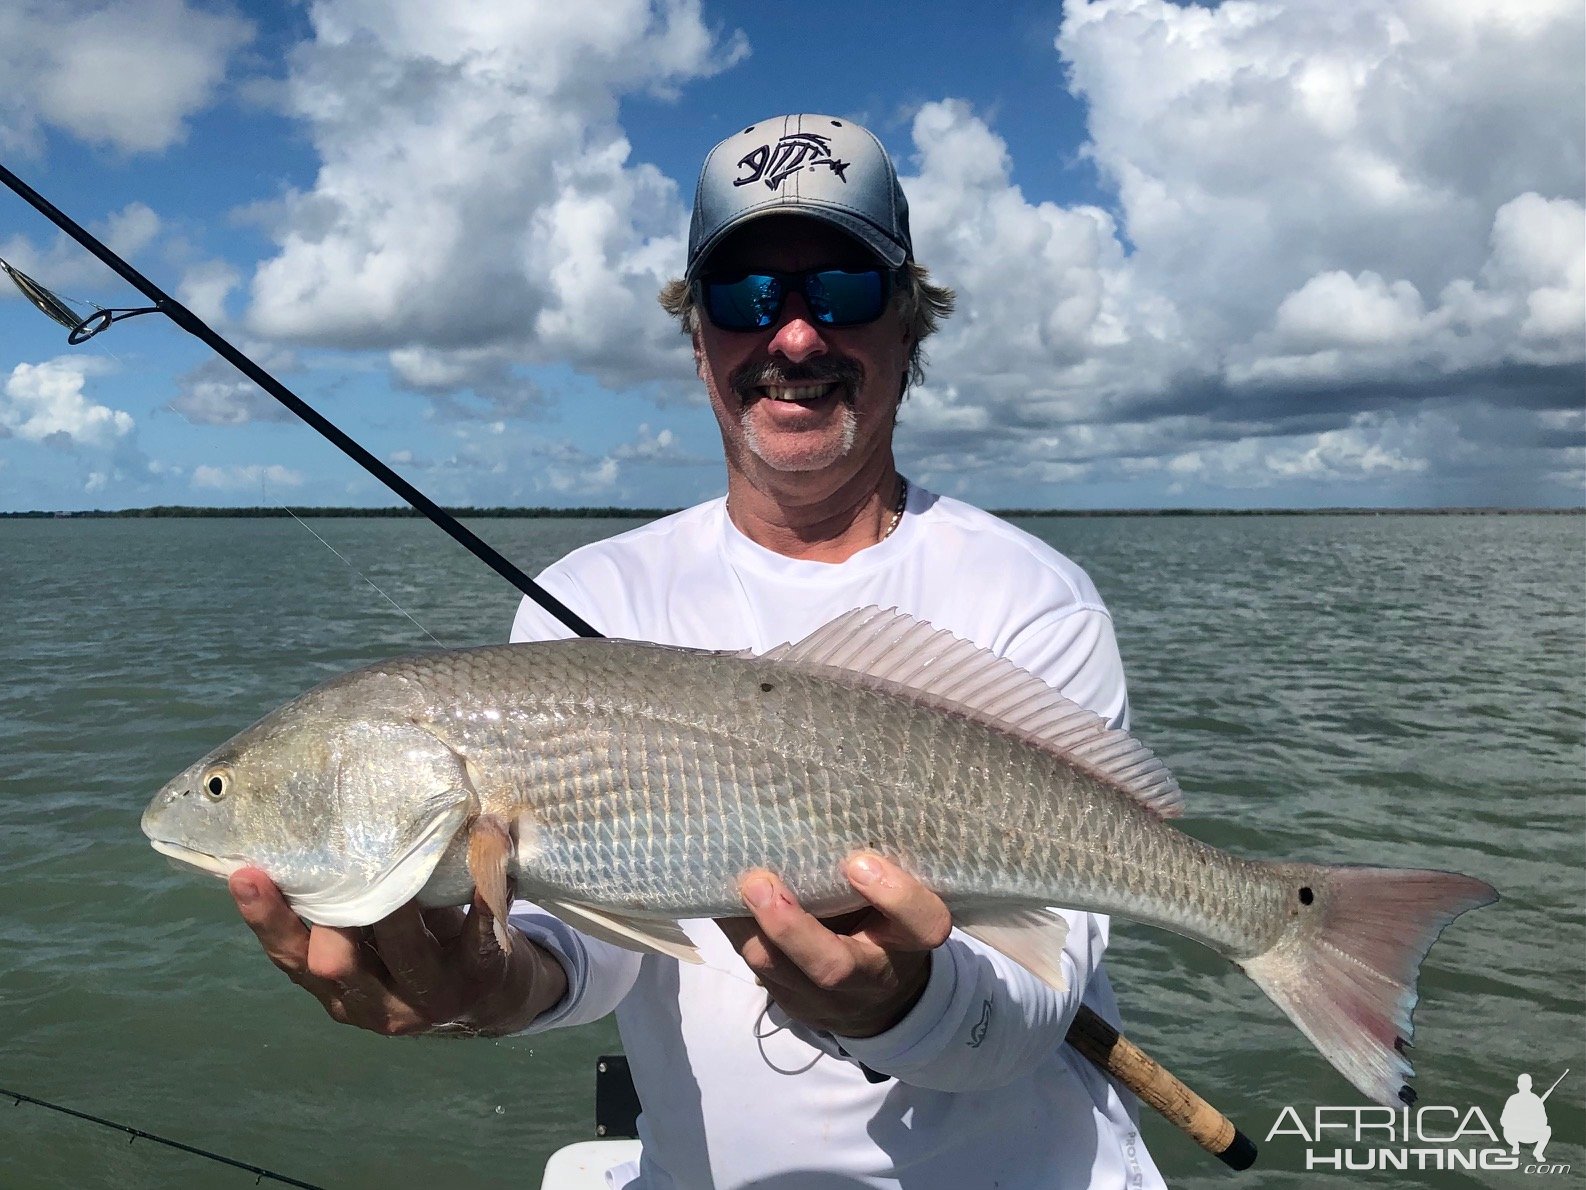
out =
column 1524, row 1119
column 876, row 1050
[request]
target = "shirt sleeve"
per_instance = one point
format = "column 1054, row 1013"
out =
column 983, row 1019
column 599, row 974
column 533, row 622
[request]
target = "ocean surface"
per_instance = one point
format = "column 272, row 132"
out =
column 1402, row 690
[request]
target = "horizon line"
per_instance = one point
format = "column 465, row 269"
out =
column 615, row 512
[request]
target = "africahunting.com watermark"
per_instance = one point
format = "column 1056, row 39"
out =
column 1360, row 1138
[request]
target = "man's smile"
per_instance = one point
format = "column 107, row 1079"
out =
column 800, row 393
column 815, row 385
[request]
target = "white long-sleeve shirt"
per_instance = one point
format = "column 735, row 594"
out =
column 982, row 1092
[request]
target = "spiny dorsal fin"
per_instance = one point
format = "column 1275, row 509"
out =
column 889, row 649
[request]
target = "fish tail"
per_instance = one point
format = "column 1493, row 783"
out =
column 1345, row 969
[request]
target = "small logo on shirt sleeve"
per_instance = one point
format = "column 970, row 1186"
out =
column 978, row 1033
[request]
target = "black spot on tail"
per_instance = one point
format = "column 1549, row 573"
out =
column 1407, row 1095
column 1306, row 895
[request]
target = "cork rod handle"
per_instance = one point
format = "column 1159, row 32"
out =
column 1159, row 1087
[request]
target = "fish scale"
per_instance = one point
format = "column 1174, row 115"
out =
column 642, row 781
column 1091, row 846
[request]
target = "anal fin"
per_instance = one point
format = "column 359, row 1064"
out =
column 643, row 934
column 1029, row 936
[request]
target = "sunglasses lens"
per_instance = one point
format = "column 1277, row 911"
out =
column 834, row 297
column 837, row 298
column 745, row 304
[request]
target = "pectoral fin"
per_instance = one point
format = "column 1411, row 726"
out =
column 644, row 934
column 490, row 852
column 1031, row 937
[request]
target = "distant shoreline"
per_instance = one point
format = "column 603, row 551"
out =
column 195, row 511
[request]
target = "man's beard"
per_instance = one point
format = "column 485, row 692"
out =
column 847, row 374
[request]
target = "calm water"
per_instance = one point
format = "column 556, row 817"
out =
column 1401, row 690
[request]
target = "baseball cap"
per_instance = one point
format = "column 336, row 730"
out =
column 819, row 166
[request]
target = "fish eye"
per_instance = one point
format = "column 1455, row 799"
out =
column 216, row 785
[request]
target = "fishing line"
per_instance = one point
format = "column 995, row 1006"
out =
column 138, row 1134
column 264, row 493
column 349, row 565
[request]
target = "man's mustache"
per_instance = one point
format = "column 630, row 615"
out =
column 823, row 370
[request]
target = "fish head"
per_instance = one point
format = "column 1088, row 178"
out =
column 266, row 797
column 334, row 797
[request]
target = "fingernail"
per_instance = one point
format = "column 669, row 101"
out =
column 758, row 892
column 863, row 869
column 246, row 891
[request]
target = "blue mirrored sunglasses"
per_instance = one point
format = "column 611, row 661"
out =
column 835, row 297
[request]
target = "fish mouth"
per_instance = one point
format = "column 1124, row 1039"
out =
column 215, row 865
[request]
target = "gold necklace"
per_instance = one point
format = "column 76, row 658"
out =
column 897, row 509
column 898, row 506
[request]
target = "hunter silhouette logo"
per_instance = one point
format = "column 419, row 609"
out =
column 1524, row 1119
column 772, row 164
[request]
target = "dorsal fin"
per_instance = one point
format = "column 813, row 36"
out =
column 891, row 650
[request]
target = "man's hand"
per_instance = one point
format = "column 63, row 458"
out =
column 857, row 975
column 417, row 971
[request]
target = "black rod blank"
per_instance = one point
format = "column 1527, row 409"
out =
column 258, row 1171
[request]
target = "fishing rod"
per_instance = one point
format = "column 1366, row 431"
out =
column 135, row 1134
column 1090, row 1034
column 195, row 326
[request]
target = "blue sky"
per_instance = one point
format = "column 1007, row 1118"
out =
column 1284, row 253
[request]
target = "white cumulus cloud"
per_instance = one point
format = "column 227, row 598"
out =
column 1539, row 255
column 1322, row 210
column 657, row 446
column 1335, row 309
column 45, row 403
column 483, row 383
column 476, row 207
column 128, row 76
column 64, row 265
column 205, row 286
column 216, row 394
column 1270, row 156
column 233, row 477
column 1341, row 242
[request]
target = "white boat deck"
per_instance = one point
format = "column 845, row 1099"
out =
column 583, row 1166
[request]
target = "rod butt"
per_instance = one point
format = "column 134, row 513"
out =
column 1240, row 1153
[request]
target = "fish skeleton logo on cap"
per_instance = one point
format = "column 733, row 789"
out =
column 793, row 152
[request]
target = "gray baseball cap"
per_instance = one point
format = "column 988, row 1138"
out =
column 819, row 166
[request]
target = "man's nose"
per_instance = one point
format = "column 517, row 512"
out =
column 797, row 340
